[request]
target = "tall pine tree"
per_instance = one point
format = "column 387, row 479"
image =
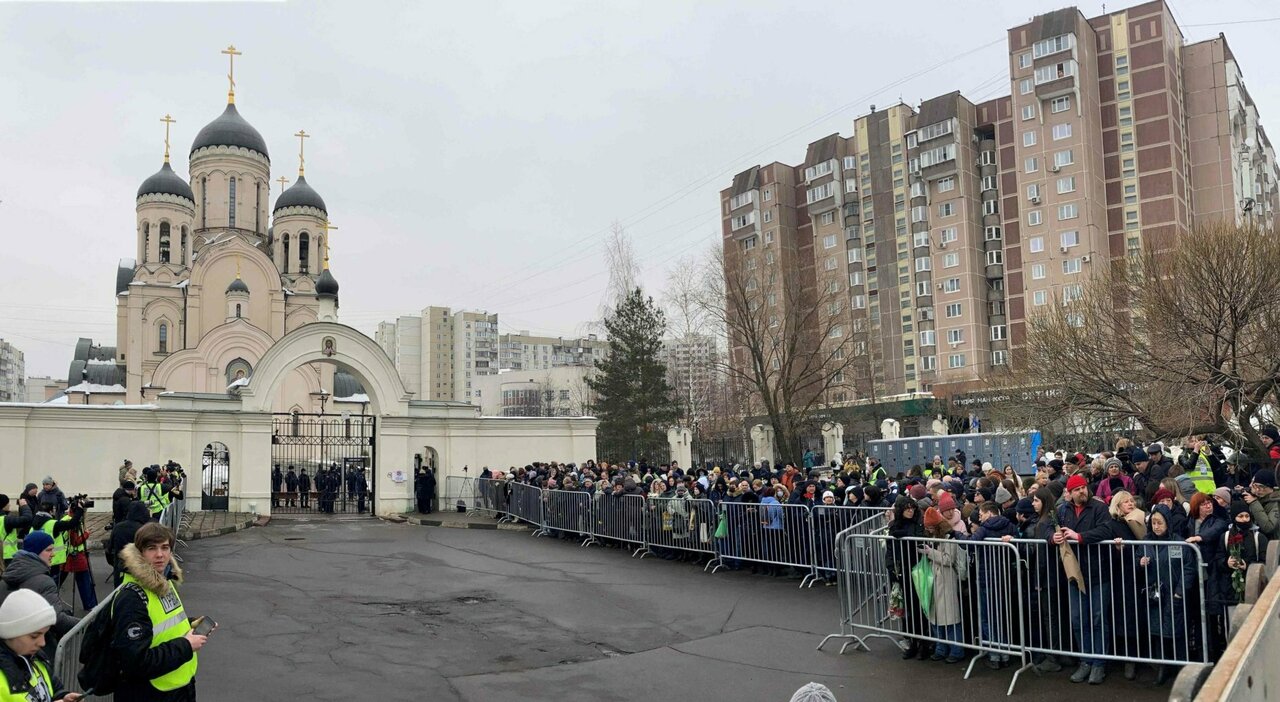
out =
column 633, row 400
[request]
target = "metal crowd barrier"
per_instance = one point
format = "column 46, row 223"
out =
column 1134, row 601
column 775, row 535
column 569, row 511
column 829, row 520
column 617, row 519
column 491, row 497
column 527, row 506
column 680, row 524
column 171, row 516
column 66, row 660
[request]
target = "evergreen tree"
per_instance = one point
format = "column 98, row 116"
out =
column 633, row 400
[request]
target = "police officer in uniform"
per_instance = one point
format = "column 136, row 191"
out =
column 152, row 636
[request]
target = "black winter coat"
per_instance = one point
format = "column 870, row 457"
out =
column 131, row 638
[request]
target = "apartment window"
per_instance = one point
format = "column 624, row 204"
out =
column 744, row 220
column 744, row 199
column 1071, row 266
column 836, row 332
column 938, row 155
column 990, row 207
column 954, row 309
column 851, row 186
column 951, row 285
column 922, row 264
column 1061, row 131
column 989, row 182
column 1033, row 191
column 855, row 255
column 933, row 131
column 829, row 217
column 1029, row 138
column 920, row 239
column 1063, row 158
column 1024, row 60
column 768, row 258
column 768, row 237
column 833, row 286
column 1035, row 217
column 955, row 336
column 749, row 243
column 768, row 216
column 1025, row 86
column 1066, row 185
column 751, row 266
column 1130, row 194
column 859, row 302
column 830, row 263
column 955, row 360
column 911, row 141
column 1126, row 141
column 1131, row 215
column 1028, row 112
column 1122, row 90
column 995, row 257
column 1129, row 170
column 817, row 170
column 1126, row 116
column 922, row 288
column 1053, row 45
column 999, row 332
column 855, row 278
column 1031, row 165
column 821, row 192
column 950, row 260
column 918, row 189
column 1069, row 239
column 1060, row 104
column 928, row 338
column 1068, row 211
column 946, row 209
column 1037, row 271
column 768, row 194
column 829, row 241
column 1039, row 298
column 999, row 358
column 1076, row 320
column 993, row 233
column 1055, row 71
column 1071, row 293
column 919, row 214
column 1035, row 244
column 949, row 235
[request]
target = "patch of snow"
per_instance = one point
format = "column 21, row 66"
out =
column 101, row 362
column 128, row 263
column 182, row 284
column 358, row 397
column 238, row 382
column 59, row 400
column 95, row 388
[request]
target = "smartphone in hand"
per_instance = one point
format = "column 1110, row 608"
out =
column 203, row 626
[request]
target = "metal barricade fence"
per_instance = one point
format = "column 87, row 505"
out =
column 569, row 511
column 1133, row 601
column 776, row 535
column 491, row 497
column 66, row 660
column 679, row 524
column 828, row 521
column 527, row 506
column 617, row 520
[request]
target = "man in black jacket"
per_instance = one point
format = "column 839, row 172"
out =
column 121, row 499
column 122, row 535
column 14, row 524
column 304, row 486
column 1080, row 517
column 277, row 478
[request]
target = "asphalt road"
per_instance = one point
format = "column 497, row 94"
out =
column 373, row 611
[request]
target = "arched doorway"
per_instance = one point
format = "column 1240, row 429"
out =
column 215, row 479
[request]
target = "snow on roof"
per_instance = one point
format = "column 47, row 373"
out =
column 238, row 382
column 59, row 400
column 102, row 362
column 358, row 397
column 128, row 263
column 182, row 284
column 95, row 388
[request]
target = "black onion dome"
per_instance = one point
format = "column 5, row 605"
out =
column 238, row 285
column 327, row 284
column 300, row 194
column 230, row 129
column 166, row 182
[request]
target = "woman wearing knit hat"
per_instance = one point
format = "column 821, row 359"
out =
column 25, row 618
column 29, row 570
column 153, row 638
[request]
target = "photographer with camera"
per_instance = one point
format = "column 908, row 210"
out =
column 76, row 561
column 153, row 492
column 58, row 530
column 13, row 524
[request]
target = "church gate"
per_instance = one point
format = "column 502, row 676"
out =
column 335, row 453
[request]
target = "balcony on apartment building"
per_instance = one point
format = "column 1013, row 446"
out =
column 1056, row 66
column 744, row 214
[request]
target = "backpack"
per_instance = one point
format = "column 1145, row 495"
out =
column 99, row 666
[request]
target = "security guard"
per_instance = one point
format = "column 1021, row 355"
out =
column 12, row 524
column 153, row 637
column 153, row 493
column 1202, row 474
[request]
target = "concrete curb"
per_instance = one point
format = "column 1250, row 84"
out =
column 447, row 524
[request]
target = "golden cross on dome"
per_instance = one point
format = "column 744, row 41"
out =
column 167, row 121
column 302, row 161
column 231, row 53
column 327, row 227
column 282, row 180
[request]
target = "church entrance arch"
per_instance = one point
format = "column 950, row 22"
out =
column 337, row 450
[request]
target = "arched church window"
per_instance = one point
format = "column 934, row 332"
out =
column 231, row 207
column 146, row 240
column 164, row 338
column 304, row 253
column 204, row 201
column 182, row 253
column 257, row 208
column 164, row 242
column 286, row 253
column 237, row 310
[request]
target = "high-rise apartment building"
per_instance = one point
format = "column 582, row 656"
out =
column 13, row 373
column 525, row 351
column 931, row 235
column 439, row 353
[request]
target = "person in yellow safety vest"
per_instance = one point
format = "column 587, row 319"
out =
column 1202, row 473
column 153, row 639
column 12, row 524
column 57, row 530
column 25, row 672
column 875, row 471
column 153, row 493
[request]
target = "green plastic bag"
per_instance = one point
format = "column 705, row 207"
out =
column 722, row 528
column 922, row 579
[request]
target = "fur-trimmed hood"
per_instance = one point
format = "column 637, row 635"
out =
column 134, row 564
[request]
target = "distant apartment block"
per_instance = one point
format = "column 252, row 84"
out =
column 13, row 373
column 440, row 353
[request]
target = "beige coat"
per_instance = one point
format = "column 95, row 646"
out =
column 946, row 559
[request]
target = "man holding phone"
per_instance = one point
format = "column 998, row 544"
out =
column 153, row 640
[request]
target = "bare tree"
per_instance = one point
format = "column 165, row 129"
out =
column 791, row 344
column 624, row 269
column 693, row 381
column 1173, row 342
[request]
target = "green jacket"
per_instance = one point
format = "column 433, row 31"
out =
column 1266, row 514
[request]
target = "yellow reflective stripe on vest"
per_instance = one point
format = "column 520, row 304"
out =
column 39, row 674
column 59, row 541
column 10, row 541
column 168, row 622
column 1202, row 476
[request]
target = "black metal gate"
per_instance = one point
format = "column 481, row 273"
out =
column 216, row 480
column 322, row 463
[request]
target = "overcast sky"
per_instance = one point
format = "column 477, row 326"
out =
column 471, row 154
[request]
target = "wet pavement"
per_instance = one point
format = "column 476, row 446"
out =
column 362, row 609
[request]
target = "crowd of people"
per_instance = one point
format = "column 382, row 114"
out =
column 147, row 642
column 291, row 487
column 1126, row 589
